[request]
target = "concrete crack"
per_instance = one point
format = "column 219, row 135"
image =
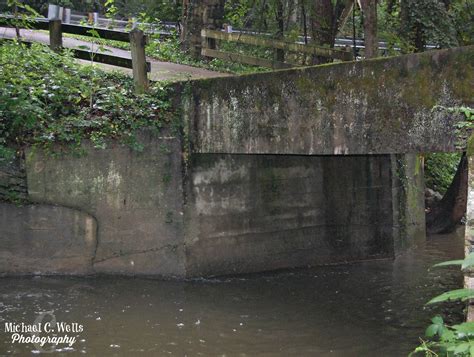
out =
column 124, row 254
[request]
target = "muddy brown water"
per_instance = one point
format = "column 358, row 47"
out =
column 365, row 309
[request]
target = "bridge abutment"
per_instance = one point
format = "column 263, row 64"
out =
column 224, row 214
column 284, row 169
column 250, row 213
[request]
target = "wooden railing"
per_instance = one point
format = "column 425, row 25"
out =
column 212, row 35
column 136, row 38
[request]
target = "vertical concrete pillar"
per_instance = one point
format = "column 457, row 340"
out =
column 469, row 232
column 408, row 201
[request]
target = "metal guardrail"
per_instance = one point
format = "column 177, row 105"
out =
column 76, row 29
column 164, row 27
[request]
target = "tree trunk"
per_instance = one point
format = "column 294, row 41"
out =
column 405, row 26
column 418, row 40
column 198, row 15
column 280, row 54
column 305, row 25
column 184, row 15
column 369, row 9
column 346, row 13
column 325, row 19
column 410, row 30
column 322, row 27
column 291, row 20
column 448, row 212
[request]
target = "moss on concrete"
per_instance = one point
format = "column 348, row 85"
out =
column 382, row 105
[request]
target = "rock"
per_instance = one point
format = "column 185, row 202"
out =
column 432, row 197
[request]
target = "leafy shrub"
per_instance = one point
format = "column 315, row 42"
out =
column 440, row 169
column 443, row 339
column 47, row 98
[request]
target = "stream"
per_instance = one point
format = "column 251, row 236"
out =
column 364, row 309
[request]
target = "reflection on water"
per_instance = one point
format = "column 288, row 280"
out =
column 366, row 309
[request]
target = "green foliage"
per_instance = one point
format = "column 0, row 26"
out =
column 466, row 111
column 22, row 14
column 459, row 294
column 462, row 13
column 440, row 169
column 443, row 339
column 163, row 9
column 262, row 15
column 389, row 23
column 45, row 99
column 64, row 3
column 111, row 9
column 431, row 19
column 448, row 263
column 407, row 24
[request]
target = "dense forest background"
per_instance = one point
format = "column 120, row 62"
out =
column 408, row 25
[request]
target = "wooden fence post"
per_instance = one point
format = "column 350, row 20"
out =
column 55, row 35
column 137, row 47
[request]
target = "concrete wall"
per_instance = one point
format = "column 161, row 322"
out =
column 380, row 106
column 120, row 211
column 264, row 212
column 136, row 198
column 42, row 239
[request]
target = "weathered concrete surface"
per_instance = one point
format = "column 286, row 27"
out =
column 41, row 239
column 136, row 198
column 408, row 200
column 380, row 106
column 12, row 180
column 231, row 213
column 264, row 212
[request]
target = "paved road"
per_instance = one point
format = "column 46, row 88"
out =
column 159, row 70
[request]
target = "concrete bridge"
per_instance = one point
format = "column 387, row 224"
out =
column 291, row 168
column 380, row 106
